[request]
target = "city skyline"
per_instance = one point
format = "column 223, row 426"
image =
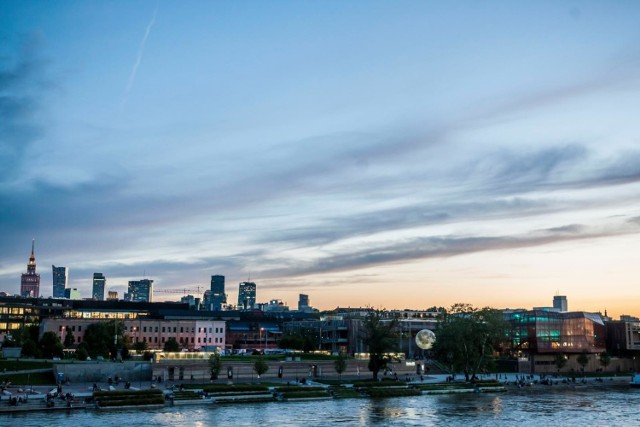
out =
column 378, row 154
column 248, row 289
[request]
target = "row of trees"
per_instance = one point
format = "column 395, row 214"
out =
column 561, row 360
column 261, row 367
column 48, row 346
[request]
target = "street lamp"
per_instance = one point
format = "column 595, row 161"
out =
column 260, row 340
column 115, row 339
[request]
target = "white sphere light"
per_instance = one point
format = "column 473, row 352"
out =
column 425, row 339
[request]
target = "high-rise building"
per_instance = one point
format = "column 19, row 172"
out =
column 217, row 297
column 60, row 280
column 30, row 283
column 303, row 302
column 72, row 293
column 140, row 290
column 560, row 303
column 247, row 295
column 112, row 296
column 99, row 282
column 194, row 303
column 206, row 300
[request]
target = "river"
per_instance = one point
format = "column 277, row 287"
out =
column 539, row 406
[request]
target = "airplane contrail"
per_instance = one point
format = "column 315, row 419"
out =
column 134, row 69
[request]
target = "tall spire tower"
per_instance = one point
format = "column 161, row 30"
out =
column 30, row 283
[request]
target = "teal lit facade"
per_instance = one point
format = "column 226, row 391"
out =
column 542, row 331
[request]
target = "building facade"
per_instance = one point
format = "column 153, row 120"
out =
column 191, row 334
column 247, row 295
column 217, row 297
column 140, row 291
column 60, row 280
column 303, row 302
column 623, row 336
column 72, row 293
column 560, row 303
column 30, row 281
column 542, row 331
column 99, row 283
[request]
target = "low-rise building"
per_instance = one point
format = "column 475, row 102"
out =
column 191, row 334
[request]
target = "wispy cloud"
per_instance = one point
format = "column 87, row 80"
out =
column 136, row 64
column 443, row 246
column 22, row 89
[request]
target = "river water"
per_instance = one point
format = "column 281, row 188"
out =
column 539, row 406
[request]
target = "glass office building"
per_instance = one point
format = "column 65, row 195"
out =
column 542, row 331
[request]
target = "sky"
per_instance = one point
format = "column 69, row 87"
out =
column 402, row 154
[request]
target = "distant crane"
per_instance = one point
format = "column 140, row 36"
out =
column 183, row 291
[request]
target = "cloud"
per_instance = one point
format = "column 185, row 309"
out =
column 23, row 87
column 400, row 179
column 136, row 64
column 422, row 248
column 416, row 215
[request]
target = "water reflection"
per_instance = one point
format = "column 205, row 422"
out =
column 614, row 406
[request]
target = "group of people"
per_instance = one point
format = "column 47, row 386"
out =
column 58, row 393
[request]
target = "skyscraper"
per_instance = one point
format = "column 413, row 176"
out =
column 30, row 283
column 60, row 280
column 560, row 303
column 99, row 282
column 247, row 295
column 141, row 290
column 303, row 302
column 217, row 296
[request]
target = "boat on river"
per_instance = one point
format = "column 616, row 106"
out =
column 635, row 380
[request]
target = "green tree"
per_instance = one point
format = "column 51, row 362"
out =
column 560, row 361
column 30, row 349
column 260, row 366
column 69, row 339
column 81, row 352
column 583, row 360
column 26, row 333
column 291, row 341
column 303, row 339
column 50, row 345
column 214, row 366
column 467, row 337
column 171, row 345
column 605, row 359
column 340, row 364
column 99, row 338
column 380, row 338
column 140, row 346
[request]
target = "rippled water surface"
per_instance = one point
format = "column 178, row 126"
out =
column 541, row 406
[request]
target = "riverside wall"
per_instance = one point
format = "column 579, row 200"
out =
column 99, row 371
